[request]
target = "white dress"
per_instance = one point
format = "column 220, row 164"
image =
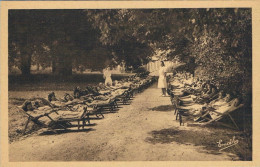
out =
column 108, row 80
column 162, row 78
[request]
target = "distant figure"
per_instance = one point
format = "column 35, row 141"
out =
column 107, row 77
column 162, row 79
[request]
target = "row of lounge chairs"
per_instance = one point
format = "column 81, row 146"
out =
column 84, row 105
column 202, row 102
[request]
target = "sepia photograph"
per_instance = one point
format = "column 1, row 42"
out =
column 157, row 84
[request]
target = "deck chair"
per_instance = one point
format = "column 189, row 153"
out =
column 102, row 105
column 61, row 123
column 221, row 116
column 174, row 103
column 178, row 112
column 124, row 98
column 94, row 110
column 35, row 119
column 181, row 108
column 91, row 109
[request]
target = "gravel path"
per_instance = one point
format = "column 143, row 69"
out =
column 144, row 130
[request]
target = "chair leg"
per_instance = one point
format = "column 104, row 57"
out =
column 88, row 119
column 83, row 123
column 78, row 124
column 26, row 124
column 233, row 121
column 113, row 104
column 180, row 118
column 101, row 114
column 57, row 123
column 116, row 104
column 177, row 115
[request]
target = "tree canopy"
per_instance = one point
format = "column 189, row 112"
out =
column 218, row 41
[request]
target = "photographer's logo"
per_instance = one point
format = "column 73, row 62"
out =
column 228, row 144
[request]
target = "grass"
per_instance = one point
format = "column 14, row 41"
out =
column 53, row 82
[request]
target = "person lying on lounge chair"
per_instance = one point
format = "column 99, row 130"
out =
column 101, row 86
column 79, row 92
column 209, row 93
column 224, row 105
column 36, row 107
column 232, row 104
column 93, row 90
column 220, row 100
column 65, row 102
column 47, row 114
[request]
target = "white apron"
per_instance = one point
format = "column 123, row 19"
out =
column 108, row 80
column 162, row 78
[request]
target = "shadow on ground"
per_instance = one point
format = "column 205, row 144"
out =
column 206, row 140
column 66, row 131
column 162, row 108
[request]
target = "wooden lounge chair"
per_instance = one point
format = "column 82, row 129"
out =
column 176, row 102
column 94, row 110
column 35, row 119
column 221, row 115
column 182, row 107
column 123, row 98
column 102, row 105
column 61, row 123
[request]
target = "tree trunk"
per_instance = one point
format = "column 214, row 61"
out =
column 54, row 68
column 38, row 66
column 25, row 63
column 63, row 66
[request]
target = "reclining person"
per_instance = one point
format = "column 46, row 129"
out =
column 47, row 114
column 197, row 87
column 194, row 88
column 90, row 94
column 220, row 100
column 209, row 93
column 102, row 89
column 93, row 90
column 78, row 92
column 222, row 105
column 65, row 102
column 37, row 107
column 102, row 86
column 232, row 103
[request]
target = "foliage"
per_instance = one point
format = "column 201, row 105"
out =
column 223, row 48
column 50, row 38
column 215, row 41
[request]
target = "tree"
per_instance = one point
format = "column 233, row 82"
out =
column 53, row 37
column 23, row 38
column 218, row 41
column 223, row 46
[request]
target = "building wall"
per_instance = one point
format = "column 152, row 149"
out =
column 154, row 66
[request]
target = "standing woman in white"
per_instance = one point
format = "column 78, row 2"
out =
column 162, row 79
column 107, row 77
